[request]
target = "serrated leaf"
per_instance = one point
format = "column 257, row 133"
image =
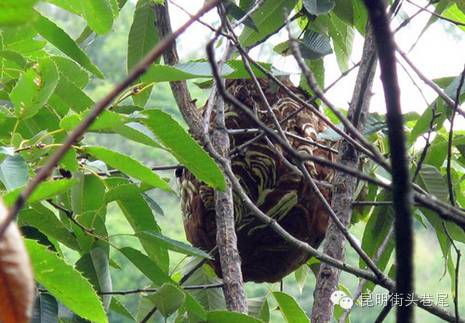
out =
column 13, row 172
column 18, row 287
column 95, row 266
column 140, row 217
column 184, row 148
column 61, row 40
column 46, row 222
column 168, row 299
column 72, row 71
column 63, row 282
column 268, row 19
column 43, row 191
column 146, row 266
column 106, row 121
column 171, row 244
column 128, row 166
column 291, row 310
column 71, row 95
column 142, row 38
column 138, row 133
column 98, row 14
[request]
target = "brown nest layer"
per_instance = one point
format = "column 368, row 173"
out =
column 269, row 182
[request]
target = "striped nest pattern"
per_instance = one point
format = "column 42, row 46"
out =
column 269, row 182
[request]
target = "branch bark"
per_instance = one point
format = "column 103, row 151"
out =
column 344, row 187
column 402, row 196
column 180, row 91
column 226, row 238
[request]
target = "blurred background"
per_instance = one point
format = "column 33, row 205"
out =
column 438, row 53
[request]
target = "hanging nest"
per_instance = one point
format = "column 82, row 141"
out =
column 269, row 182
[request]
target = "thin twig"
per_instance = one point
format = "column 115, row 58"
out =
column 154, row 290
column 455, row 22
column 451, row 138
column 434, row 116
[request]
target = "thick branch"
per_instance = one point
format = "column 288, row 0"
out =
column 344, row 187
column 179, row 88
column 226, row 236
column 402, row 196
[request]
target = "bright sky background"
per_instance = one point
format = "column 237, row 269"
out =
column 439, row 53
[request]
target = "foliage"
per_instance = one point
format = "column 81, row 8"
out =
column 48, row 79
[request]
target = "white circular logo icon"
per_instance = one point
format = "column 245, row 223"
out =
column 340, row 298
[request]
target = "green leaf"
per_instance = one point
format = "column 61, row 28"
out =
column 184, row 148
column 34, row 88
column 238, row 13
column 168, row 299
column 61, row 40
column 95, row 266
column 342, row 36
column 433, row 182
column 71, row 95
column 301, row 276
column 138, row 133
column 318, row 7
column 291, row 310
column 88, row 194
column 170, row 244
column 23, row 94
column 106, row 121
column 14, row 12
column 43, row 191
column 128, row 166
column 139, row 215
column 314, row 45
column 230, row 317
column 45, row 309
column 269, row 18
column 142, row 38
column 345, row 11
column 44, row 220
column 211, row 298
column 98, row 14
column 259, row 308
column 117, row 307
column 146, row 266
column 65, row 283
column 360, row 16
column 72, row 71
column 457, row 14
column 13, row 172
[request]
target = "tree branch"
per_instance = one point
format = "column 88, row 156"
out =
column 180, row 91
column 402, row 196
column 344, row 187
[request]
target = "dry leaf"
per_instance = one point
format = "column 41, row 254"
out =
column 17, row 285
